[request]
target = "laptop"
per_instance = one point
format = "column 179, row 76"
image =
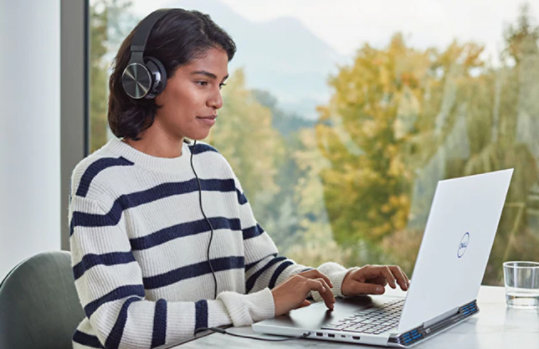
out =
column 452, row 258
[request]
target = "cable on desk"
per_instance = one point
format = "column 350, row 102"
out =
column 223, row 331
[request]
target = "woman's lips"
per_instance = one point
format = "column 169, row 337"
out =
column 207, row 120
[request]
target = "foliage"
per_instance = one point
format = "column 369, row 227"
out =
column 288, row 124
column 244, row 135
column 356, row 185
column 110, row 21
column 401, row 118
column 98, row 78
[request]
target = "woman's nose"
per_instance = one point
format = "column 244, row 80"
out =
column 216, row 100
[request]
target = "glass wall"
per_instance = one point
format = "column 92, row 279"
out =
column 340, row 117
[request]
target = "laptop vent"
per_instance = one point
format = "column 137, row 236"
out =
column 421, row 332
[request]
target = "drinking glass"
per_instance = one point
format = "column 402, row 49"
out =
column 521, row 284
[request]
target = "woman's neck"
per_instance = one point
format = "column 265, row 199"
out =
column 159, row 144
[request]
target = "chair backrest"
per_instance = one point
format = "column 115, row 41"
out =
column 39, row 307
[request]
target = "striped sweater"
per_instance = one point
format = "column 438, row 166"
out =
column 139, row 249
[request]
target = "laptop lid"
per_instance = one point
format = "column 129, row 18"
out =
column 458, row 237
column 456, row 244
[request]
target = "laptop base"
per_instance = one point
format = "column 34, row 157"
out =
column 290, row 325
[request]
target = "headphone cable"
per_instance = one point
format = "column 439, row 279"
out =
column 223, row 331
column 217, row 329
column 209, row 223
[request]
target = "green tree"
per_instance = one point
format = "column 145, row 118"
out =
column 98, row 75
column 244, row 135
column 317, row 244
column 362, row 131
column 400, row 119
column 394, row 112
column 282, row 216
column 512, row 142
column 110, row 22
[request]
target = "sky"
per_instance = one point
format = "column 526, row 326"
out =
column 346, row 25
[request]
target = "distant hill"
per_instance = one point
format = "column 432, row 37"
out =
column 281, row 56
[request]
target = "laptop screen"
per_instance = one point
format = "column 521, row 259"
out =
column 456, row 245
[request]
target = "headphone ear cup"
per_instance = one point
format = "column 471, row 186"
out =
column 137, row 80
column 159, row 76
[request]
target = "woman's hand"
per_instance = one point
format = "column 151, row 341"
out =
column 371, row 279
column 291, row 294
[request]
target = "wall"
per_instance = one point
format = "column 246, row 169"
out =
column 29, row 129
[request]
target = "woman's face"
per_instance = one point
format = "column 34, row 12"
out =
column 192, row 96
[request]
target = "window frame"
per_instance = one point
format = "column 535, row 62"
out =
column 74, row 98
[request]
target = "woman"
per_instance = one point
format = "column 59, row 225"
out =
column 163, row 240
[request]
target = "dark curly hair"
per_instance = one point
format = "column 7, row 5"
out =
column 177, row 38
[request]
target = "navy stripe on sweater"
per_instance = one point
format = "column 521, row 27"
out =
column 241, row 198
column 201, row 315
column 193, row 270
column 91, row 260
column 115, row 335
column 135, row 199
column 118, row 293
column 159, row 323
column 184, row 229
column 250, row 265
column 252, row 232
column 87, row 340
column 94, row 169
column 89, row 220
column 251, row 281
column 201, row 148
column 278, row 271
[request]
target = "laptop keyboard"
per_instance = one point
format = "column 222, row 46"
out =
column 373, row 320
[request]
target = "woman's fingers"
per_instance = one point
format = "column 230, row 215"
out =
column 379, row 273
column 365, row 288
column 321, row 286
column 319, row 282
column 401, row 277
column 305, row 303
column 315, row 274
column 381, row 280
column 384, row 270
column 367, row 280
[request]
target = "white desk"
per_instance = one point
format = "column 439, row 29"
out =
column 495, row 326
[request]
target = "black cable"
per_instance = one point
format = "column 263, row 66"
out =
column 217, row 329
column 209, row 223
column 223, row 331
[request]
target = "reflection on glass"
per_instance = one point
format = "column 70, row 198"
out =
column 345, row 168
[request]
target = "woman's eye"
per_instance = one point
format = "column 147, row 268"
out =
column 202, row 83
column 221, row 85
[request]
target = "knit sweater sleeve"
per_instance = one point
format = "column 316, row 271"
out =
column 264, row 267
column 111, row 290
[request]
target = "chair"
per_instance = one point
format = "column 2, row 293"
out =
column 39, row 307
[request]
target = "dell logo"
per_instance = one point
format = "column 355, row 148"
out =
column 463, row 245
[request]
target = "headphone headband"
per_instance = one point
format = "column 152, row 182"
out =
column 144, row 77
column 138, row 43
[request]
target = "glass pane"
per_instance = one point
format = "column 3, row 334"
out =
column 340, row 117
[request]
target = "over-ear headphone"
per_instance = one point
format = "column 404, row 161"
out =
column 144, row 77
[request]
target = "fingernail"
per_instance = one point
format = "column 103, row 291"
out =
column 379, row 289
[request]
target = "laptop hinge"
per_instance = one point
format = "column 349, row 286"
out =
column 424, row 331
